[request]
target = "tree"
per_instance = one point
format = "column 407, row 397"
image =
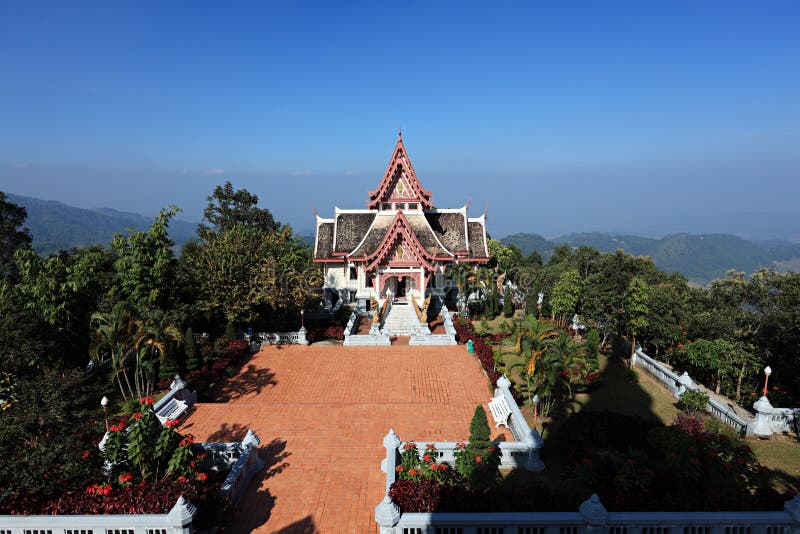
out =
column 12, row 238
column 63, row 291
column 193, row 360
column 636, row 309
column 228, row 208
column 115, row 341
column 145, row 265
column 155, row 341
column 565, row 294
column 715, row 356
column 243, row 271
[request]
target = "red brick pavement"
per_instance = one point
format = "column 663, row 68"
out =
column 321, row 413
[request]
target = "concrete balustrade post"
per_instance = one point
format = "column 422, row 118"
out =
column 181, row 516
column 761, row 426
column 387, row 513
column 594, row 514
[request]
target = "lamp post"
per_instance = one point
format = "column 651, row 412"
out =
column 535, row 410
column 104, row 404
column 767, row 372
column 302, row 321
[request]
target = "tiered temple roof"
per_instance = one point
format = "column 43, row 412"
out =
column 400, row 206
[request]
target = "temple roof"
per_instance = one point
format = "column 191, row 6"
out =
column 443, row 234
column 400, row 182
column 439, row 234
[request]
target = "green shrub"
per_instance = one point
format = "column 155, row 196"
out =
column 230, row 332
column 478, row 460
column 193, row 360
column 508, row 305
column 592, row 345
column 693, row 401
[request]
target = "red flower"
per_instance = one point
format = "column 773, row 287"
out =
column 493, row 449
column 460, row 445
column 443, row 467
column 118, row 428
column 91, row 490
column 125, row 478
column 137, row 416
column 148, row 401
column 104, row 489
column 430, row 447
column 740, row 461
column 181, row 480
column 412, row 472
column 172, row 423
column 478, row 459
column 399, row 468
column 409, row 445
column 427, row 458
column 187, row 440
column 434, row 467
column 86, row 454
column 201, row 476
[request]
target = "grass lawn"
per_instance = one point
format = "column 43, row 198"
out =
column 646, row 398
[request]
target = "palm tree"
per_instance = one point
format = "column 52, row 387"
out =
column 553, row 375
column 536, row 335
column 115, row 331
column 153, row 338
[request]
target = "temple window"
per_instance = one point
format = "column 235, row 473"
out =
column 353, row 273
column 412, row 205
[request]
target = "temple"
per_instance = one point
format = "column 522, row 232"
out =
column 400, row 246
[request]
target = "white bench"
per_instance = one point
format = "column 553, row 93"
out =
column 171, row 410
column 500, row 411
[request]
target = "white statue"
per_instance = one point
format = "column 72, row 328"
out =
column 541, row 298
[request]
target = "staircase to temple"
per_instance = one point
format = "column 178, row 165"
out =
column 401, row 321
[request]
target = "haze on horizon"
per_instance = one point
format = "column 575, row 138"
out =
column 624, row 117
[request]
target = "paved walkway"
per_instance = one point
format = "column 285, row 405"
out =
column 321, row 413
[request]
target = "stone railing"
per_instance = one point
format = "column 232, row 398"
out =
column 591, row 517
column 283, row 338
column 373, row 338
column 177, row 521
column 177, row 391
column 426, row 338
column 677, row 385
column 241, row 458
column 771, row 420
column 522, row 453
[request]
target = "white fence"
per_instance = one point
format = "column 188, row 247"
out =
column 177, row 521
column 241, row 458
column 677, row 385
column 282, row 338
column 592, row 517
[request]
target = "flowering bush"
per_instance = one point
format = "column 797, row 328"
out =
column 317, row 333
column 412, row 467
column 484, row 353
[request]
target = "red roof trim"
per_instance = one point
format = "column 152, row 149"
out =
column 400, row 228
column 382, row 192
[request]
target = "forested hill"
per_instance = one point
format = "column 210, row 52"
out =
column 56, row 226
column 701, row 258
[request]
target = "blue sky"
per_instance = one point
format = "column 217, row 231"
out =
column 637, row 117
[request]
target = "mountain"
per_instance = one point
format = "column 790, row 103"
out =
column 701, row 258
column 57, row 226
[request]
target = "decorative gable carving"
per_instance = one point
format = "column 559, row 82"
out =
column 399, row 182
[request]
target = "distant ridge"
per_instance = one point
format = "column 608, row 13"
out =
column 57, row 226
column 701, row 258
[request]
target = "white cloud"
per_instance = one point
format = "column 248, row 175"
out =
column 22, row 165
column 217, row 171
column 301, row 172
